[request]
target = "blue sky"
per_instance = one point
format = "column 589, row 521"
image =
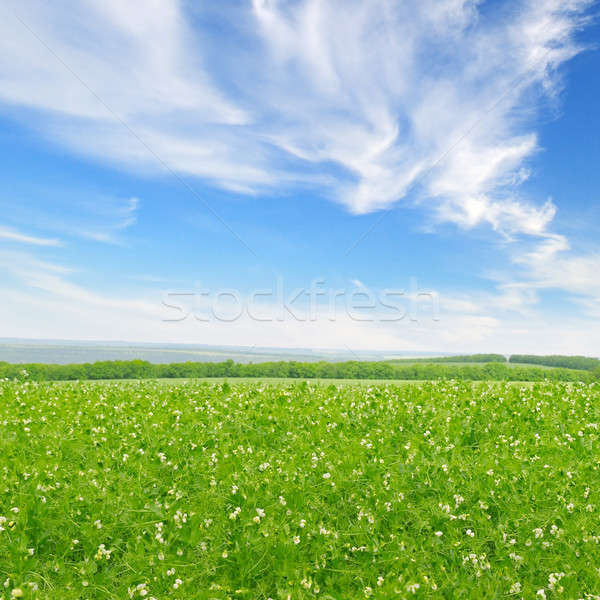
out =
column 367, row 145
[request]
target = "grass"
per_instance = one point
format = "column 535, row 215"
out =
column 233, row 381
column 244, row 380
column 252, row 490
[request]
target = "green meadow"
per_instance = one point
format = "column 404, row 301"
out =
column 216, row 490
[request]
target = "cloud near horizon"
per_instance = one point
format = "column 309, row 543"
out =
column 502, row 321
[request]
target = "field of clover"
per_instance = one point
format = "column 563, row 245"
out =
column 297, row 490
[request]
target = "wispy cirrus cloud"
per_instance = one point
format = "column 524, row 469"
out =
column 430, row 93
column 434, row 98
column 553, row 265
column 72, row 213
column 107, row 217
column 13, row 235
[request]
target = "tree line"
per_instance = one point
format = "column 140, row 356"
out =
column 556, row 360
column 463, row 358
column 139, row 369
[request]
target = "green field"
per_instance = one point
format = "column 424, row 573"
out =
column 239, row 380
column 256, row 380
column 206, row 490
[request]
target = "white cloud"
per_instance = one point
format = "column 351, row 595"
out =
column 53, row 281
column 427, row 92
column 110, row 216
column 17, row 236
column 44, row 301
column 551, row 265
column 433, row 92
column 54, row 308
column 74, row 214
column 137, row 60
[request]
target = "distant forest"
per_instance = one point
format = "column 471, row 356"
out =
column 569, row 362
column 414, row 370
column 463, row 358
column 584, row 363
